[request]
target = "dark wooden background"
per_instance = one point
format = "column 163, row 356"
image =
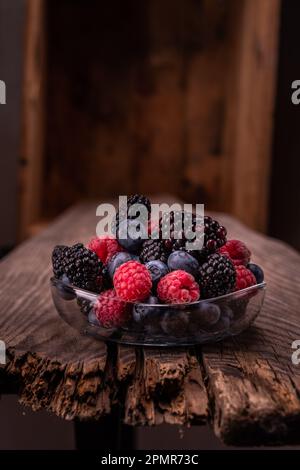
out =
column 129, row 96
column 12, row 20
column 79, row 110
column 125, row 92
column 135, row 99
column 285, row 189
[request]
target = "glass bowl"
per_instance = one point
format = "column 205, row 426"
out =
column 199, row 322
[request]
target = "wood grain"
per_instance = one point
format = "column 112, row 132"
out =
column 252, row 381
column 247, row 386
column 250, row 106
column 33, row 117
column 175, row 96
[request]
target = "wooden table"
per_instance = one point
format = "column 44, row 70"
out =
column 247, row 387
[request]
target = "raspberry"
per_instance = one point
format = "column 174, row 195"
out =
column 104, row 247
column 244, row 278
column 110, row 310
column 132, row 281
column 237, row 251
column 178, row 287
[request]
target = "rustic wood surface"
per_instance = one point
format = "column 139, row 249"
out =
column 247, row 387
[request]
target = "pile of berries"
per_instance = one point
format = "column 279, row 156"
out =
column 140, row 270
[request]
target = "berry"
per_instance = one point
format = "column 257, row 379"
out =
column 157, row 270
column 154, row 250
column 131, row 235
column 237, row 251
column 123, row 213
column 178, row 287
column 116, row 261
column 104, row 247
column 183, row 260
column 58, row 255
column 139, row 199
column 132, row 282
column 214, row 233
column 257, row 271
column 224, row 322
column 147, row 308
column 110, row 310
column 171, row 227
column 238, row 307
column 216, row 276
column 82, row 266
column 244, row 278
column 175, row 323
column 205, row 315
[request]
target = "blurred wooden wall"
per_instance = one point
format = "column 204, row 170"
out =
column 174, row 96
column 12, row 16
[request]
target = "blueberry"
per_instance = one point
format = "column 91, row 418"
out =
column 222, row 324
column 257, row 271
column 141, row 311
column 205, row 314
column 225, row 319
column 175, row 323
column 92, row 318
column 183, row 260
column 157, row 269
column 116, row 261
column 65, row 289
column 132, row 238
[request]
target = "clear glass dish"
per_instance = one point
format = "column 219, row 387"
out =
column 199, row 322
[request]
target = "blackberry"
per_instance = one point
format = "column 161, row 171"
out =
column 216, row 276
column 131, row 200
column 170, row 226
column 154, row 250
column 214, row 234
column 58, row 255
column 82, row 266
column 139, row 199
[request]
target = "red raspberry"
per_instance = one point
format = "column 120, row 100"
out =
column 244, row 278
column 132, row 281
column 178, row 287
column 110, row 310
column 104, row 247
column 236, row 251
